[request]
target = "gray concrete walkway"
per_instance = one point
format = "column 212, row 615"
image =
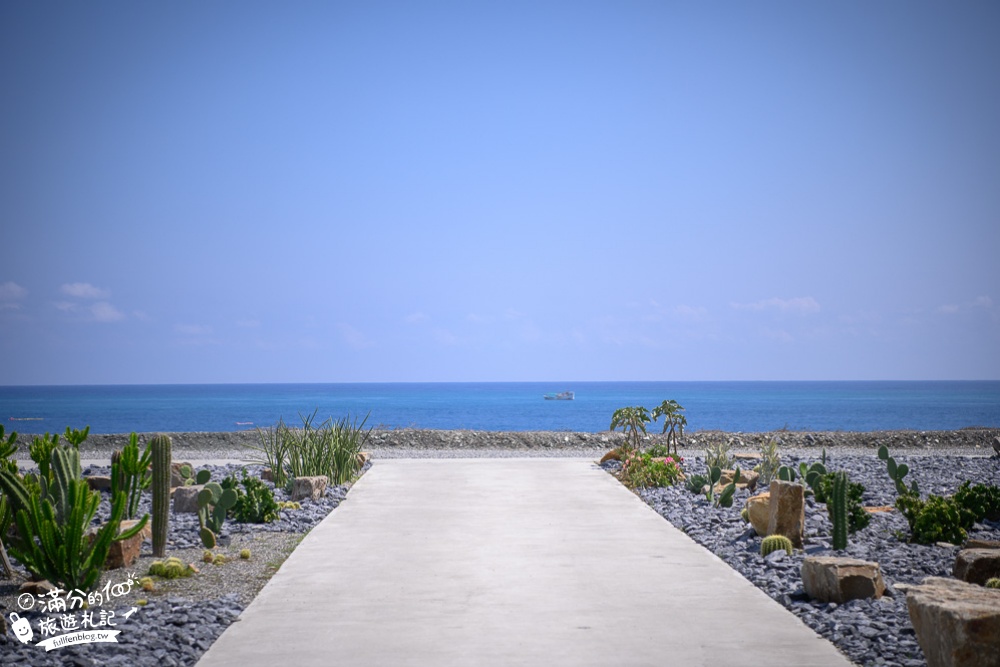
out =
column 482, row 562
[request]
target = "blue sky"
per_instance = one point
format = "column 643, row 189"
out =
column 466, row 191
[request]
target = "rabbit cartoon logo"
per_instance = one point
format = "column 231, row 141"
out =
column 21, row 628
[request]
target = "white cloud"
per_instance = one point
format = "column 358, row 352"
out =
column 141, row 315
column 193, row 329
column 102, row 311
column 248, row 324
column 84, row 291
column 66, row 306
column 980, row 302
column 10, row 294
column 949, row 308
column 801, row 305
column 445, row 337
column 416, row 318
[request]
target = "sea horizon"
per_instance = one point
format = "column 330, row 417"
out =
column 737, row 406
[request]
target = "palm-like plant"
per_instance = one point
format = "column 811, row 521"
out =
column 633, row 422
column 673, row 421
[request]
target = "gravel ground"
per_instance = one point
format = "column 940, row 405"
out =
column 181, row 619
column 869, row 632
column 177, row 621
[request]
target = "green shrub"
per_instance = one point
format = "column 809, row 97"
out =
column 719, row 456
column 770, row 461
column 644, row 470
column 330, row 449
column 937, row 519
column 981, row 501
column 255, row 501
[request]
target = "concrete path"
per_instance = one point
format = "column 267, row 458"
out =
column 482, row 562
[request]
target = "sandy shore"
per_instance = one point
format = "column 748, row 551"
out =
column 238, row 446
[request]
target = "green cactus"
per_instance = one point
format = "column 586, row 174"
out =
column 786, row 474
column 772, row 543
column 897, row 472
column 837, row 507
column 993, row 582
column 130, row 473
column 159, row 447
column 213, row 503
column 726, row 497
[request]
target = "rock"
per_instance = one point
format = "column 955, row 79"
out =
column 750, row 457
column 957, row 624
column 363, row 458
column 879, row 509
column 308, row 487
column 748, row 480
column 36, row 588
column 787, row 511
column 267, row 475
column 982, row 544
column 175, row 474
column 186, row 499
column 996, row 445
column 976, row 566
column 123, row 553
column 99, row 482
column 759, row 511
column 833, row 579
column 613, row 455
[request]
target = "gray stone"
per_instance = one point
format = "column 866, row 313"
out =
column 186, row 499
column 957, row 624
column 309, row 487
column 787, row 511
column 976, row 566
column 833, row 579
column 99, row 482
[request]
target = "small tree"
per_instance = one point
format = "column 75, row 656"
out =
column 632, row 421
column 673, row 421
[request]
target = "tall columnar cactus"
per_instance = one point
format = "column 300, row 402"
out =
column 837, row 507
column 160, row 448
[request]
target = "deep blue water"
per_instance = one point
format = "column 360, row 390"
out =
column 730, row 406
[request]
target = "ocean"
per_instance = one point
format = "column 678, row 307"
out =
column 504, row 406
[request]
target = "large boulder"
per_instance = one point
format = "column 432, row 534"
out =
column 976, row 566
column 957, row 624
column 759, row 512
column 982, row 544
column 186, row 499
column 787, row 511
column 98, row 482
column 123, row 553
column 833, row 579
column 308, row 487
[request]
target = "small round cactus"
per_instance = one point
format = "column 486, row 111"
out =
column 219, row 559
column 745, row 515
column 772, row 543
column 147, row 584
column 993, row 582
column 245, row 554
column 207, row 556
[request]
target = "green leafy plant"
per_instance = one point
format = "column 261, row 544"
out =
column 982, row 501
column 255, row 501
column 53, row 520
column 642, row 469
column 674, row 421
column 632, row 421
column 719, row 455
column 770, row 461
column 330, row 449
column 937, row 519
column 897, row 472
column 130, row 473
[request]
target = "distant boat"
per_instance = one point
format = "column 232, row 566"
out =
column 561, row 396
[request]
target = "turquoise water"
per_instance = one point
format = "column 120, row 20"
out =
column 731, row 406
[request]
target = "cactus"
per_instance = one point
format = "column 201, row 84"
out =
column 130, row 473
column 837, row 507
column 772, row 543
column 213, row 503
column 897, row 472
column 245, row 554
column 160, row 452
column 726, row 497
column 993, row 582
column 786, row 474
